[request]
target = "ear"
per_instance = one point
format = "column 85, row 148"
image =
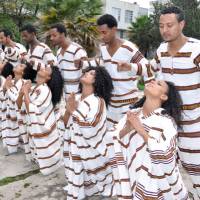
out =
column 182, row 24
column 164, row 97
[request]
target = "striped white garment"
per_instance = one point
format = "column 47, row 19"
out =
column 2, row 55
column 183, row 70
column 41, row 56
column 43, row 135
column 125, row 90
column 10, row 131
column 15, row 54
column 87, row 166
column 2, row 98
column 148, row 170
column 70, row 72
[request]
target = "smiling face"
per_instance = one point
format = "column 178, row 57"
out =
column 170, row 27
column 157, row 89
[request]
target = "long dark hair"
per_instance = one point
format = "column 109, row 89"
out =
column 103, row 85
column 56, row 85
column 7, row 70
column 29, row 73
column 172, row 105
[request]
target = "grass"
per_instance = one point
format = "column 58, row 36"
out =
column 8, row 180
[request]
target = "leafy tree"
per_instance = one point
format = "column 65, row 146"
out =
column 191, row 8
column 7, row 23
column 79, row 17
column 140, row 34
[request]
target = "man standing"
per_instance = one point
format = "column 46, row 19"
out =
column 125, row 63
column 14, row 52
column 39, row 54
column 178, row 61
column 68, row 58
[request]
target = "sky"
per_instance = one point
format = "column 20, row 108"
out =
column 142, row 3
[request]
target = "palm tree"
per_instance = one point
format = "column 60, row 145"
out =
column 140, row 33
column 79, row 17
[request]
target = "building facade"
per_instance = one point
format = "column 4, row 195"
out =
column 125, row 13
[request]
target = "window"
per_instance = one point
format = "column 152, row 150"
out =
column 116, row 12
column 128, row 16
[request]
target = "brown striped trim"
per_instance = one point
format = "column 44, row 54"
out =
column 109, row 60
column 139, row 71
column 87, row 104
column 137, row 57
column 180, row 71
column 131, row 100
column 157, row 59
column 191, row 168
column 47, row 157
column 197, row 60
column 41, row 135
column 119, row 106
column 134, row 155
column 190, row 106
column 45, row 147
column 149, row 70
column 126, row 47
column 70, row 70
column 37, row 57
column 65, row 60
column 77, row 50
column 112, row 121
column 80, row 113
column 177, row 55
column 188, row 87
column 189, row 134
column 120, row 95
column 46, row 52
column 125, row 79
column 45, row 98
column 41, row 45
column 96, row 119
column 72, row 81
column 190, row 122
column 189, row 150
column 42, row 168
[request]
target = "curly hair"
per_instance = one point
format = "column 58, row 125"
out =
column 103, row 85
column 29, row 73
column 172, row 105
column 7, row 70
column 56, row 85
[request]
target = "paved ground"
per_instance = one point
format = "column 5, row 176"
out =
column 32, row 186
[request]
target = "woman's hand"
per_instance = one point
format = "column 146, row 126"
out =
column 135, row 122
column 26, row 88
column 126, row 129
column 71, row 103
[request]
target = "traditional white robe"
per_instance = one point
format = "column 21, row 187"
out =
column 10, row 132
column 2, row 98
column 43, row 134
column 183, row 69
column 125, row 83
column 70, row 72
column 87, row 166
column 148, row 170
column 41, row 56
column 17, row 53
